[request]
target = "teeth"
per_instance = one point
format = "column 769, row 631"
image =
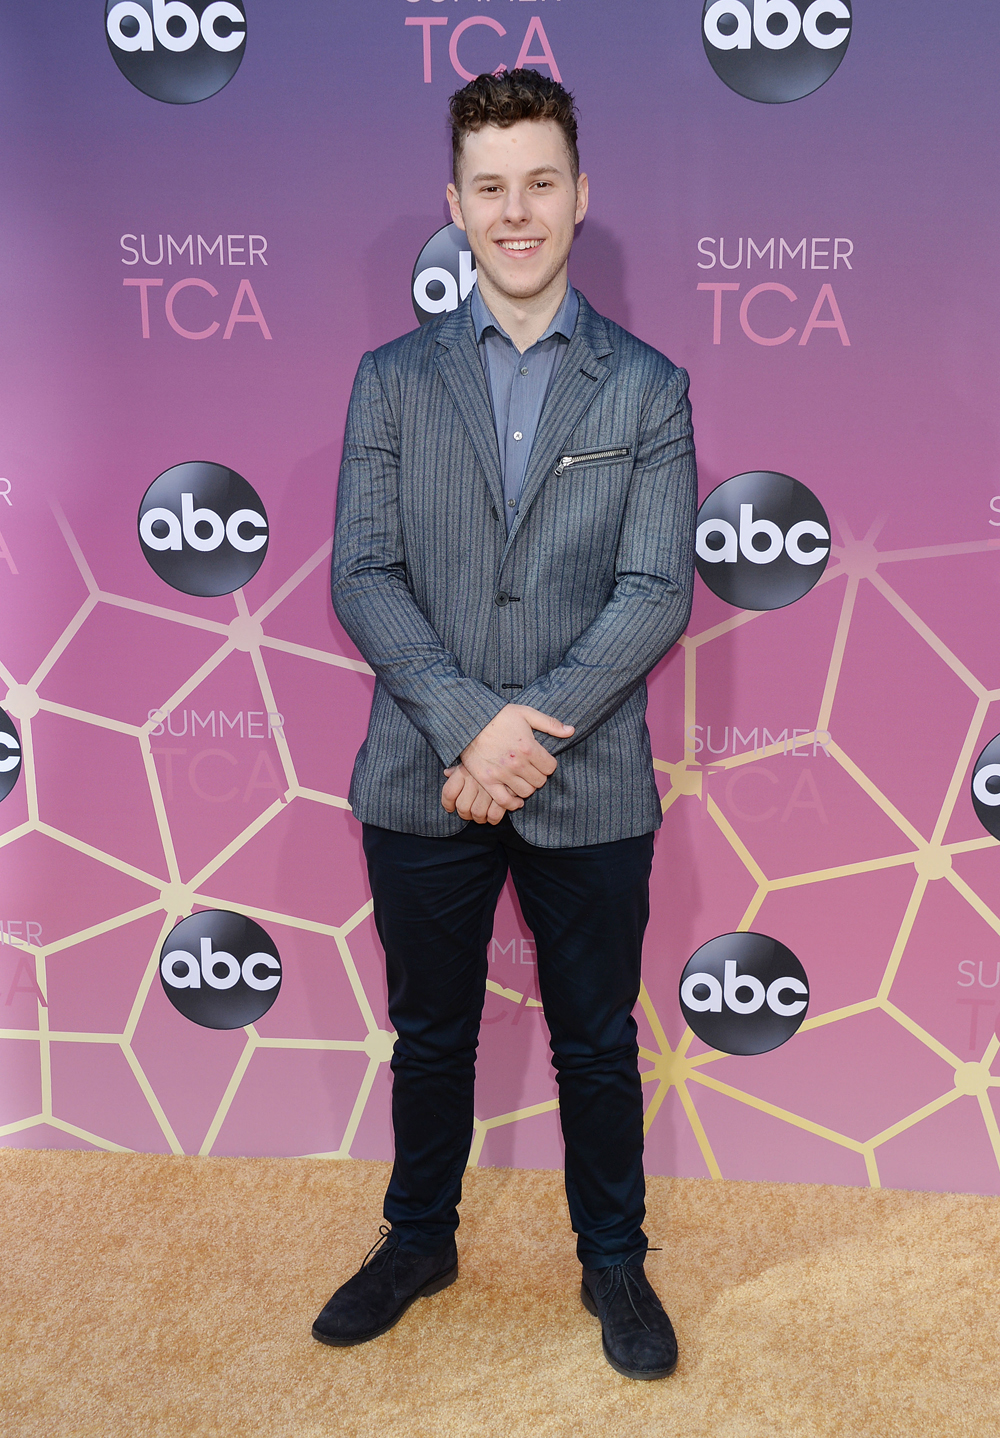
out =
column 519, row 244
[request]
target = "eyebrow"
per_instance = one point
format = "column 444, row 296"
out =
column 538, row 170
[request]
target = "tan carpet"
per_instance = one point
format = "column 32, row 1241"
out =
column 146, row 1295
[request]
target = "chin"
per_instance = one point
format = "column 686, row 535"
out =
column 524, row 287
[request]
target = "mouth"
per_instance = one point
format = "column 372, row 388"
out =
column 518, row 247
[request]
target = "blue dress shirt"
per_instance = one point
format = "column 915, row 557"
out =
column 518, row 384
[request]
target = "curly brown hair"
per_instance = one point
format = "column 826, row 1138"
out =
column 503, row 100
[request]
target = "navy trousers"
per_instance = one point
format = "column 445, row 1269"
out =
column 587, row 908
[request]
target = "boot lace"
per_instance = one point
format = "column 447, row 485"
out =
column 629, row 1282
column 380, row 1250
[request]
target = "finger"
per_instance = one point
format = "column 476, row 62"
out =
column 481, row 806
column 542, row 759
column 501, row 795
column 518, row 784
column 495, row 813
column 533, row 774
column 545, row 722
column 499, row 782
column 526, row 764
column 451, row 791
column 467, row 797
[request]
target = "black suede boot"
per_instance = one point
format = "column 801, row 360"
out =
column 381, row 1291
column 637, row 1335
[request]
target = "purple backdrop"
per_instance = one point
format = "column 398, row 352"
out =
column 323, row 164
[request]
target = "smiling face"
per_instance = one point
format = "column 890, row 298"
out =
column 518, row 203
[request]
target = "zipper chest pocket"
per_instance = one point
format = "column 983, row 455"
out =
column 591, row 456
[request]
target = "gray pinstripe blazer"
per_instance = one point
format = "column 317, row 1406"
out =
column 567, row 613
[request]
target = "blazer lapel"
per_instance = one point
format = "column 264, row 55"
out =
column 461, row 371
column 578, row 381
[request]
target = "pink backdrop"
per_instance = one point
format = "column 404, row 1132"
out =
column 859, row 850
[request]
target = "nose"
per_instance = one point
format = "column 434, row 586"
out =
column 517, row 211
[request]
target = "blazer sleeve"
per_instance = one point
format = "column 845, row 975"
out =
column 654, row 577
column 369, row 586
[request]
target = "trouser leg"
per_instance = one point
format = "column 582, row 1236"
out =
column 588, row 909
column 434, row 901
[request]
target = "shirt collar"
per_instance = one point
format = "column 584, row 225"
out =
column 563, row 321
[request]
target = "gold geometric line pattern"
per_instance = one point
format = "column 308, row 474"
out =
column 218, row 1119
column 303, row 651
column 737, row 844
column 174, row 898
column 930, row 857
column 28, row 772
column 776, row 1111
column 858, row 560
column 924, row 630
column 837, row 656
column 84, row 612
column 482, row 1126
column 698, row 1129
column 902, row 937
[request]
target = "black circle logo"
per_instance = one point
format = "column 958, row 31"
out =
column 220, row 970
column 775, row 50
column 763, row 540
column 178, row 51
column 444, row 273
column 986, row 788
column 744, row 993
column 10, row 754
column 203, row 528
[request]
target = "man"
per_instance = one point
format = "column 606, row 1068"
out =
column 514, row 553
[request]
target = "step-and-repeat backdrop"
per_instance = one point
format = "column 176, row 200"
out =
column 209, row 212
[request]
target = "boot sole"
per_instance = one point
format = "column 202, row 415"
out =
column 434, row 1286
column 640, row 1373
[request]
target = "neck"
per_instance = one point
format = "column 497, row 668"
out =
column 525, row 320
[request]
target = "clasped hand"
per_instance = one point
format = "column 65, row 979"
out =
column 503, row 765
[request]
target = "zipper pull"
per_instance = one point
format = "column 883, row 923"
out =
column 564, row 463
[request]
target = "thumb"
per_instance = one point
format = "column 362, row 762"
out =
column 546, row 724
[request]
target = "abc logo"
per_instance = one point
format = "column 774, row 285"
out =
column 203, row 528
column 177, row 52
column 986, row 788
column 775, row 50
column 762, row 540
column 220, row 970
column 444, row 273
column 10, row 754
column 744, row 993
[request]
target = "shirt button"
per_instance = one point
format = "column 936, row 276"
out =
column 524, row 371
column 518, row 434
column 511, row 503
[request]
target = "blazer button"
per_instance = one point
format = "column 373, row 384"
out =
column 502, row 599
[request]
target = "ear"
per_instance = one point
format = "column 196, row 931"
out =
column 582, row 197
column 455, row 205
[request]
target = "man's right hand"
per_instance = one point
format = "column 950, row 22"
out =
column 466, row 796
column 507, row 759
